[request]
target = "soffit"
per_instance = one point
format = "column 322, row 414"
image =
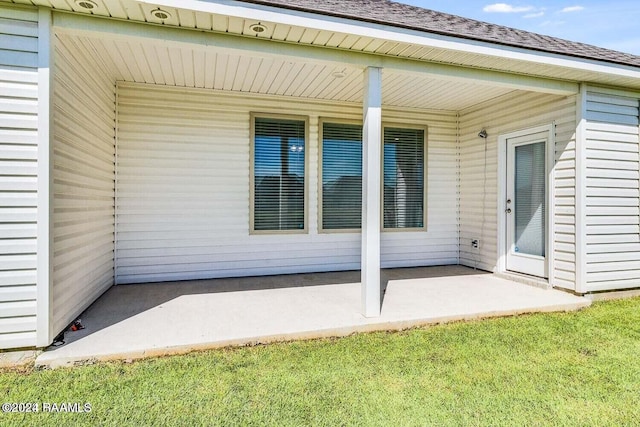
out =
column 142, row 61
column 141, row 12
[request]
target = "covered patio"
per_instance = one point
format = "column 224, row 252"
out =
column 218, row 156
column 158, row 160
column 144, row 320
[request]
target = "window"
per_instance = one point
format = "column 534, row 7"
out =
column 404, row 178
column 341, row 176
column 279, row 150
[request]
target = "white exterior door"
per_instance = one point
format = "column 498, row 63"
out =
column 526, row 204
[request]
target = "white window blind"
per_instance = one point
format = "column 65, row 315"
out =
column 404, row 172
column 341, row 176
column 530, row 199
column 279, row 174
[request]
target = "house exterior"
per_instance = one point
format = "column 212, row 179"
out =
column 149, row 141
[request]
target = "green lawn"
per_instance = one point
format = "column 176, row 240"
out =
column 549, row 369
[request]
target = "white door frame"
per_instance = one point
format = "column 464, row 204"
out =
column 502, row 194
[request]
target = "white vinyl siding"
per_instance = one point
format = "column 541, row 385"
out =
column 183, row 186
column 478, row 168
column 84, row 176
column 18, row 175
column 612, row 192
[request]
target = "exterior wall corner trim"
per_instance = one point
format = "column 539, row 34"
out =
column 44, row 332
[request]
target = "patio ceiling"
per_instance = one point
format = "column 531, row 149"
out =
column 515, row 61
column 153, row 62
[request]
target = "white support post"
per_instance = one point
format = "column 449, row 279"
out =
column 371, row 191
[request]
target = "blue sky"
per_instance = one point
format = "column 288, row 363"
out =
column 614, row 24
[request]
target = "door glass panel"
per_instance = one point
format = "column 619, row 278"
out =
column 530, row 199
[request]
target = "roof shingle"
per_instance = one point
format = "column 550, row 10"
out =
column 395, row 14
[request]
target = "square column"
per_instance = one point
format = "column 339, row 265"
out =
column 371, row 192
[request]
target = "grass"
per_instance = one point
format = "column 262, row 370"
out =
column 549, row 369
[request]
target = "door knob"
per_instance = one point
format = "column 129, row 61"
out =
column 508, row 201
column 508, row 210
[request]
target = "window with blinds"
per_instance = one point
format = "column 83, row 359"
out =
column 404, row 178
column 279, row 152
column 341, row 176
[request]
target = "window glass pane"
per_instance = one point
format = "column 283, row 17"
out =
column 403, row 178
column 530, row 203
column 279, row 167
column 341, row 176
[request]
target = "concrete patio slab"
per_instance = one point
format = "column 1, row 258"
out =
column 137, row 321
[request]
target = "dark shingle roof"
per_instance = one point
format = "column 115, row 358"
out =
column 411, row 17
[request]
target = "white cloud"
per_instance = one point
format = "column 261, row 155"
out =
column 534, row 15
column 506, row 8
column 572, row 9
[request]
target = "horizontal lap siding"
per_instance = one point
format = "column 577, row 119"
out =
column 564, row 187
column 84, row 182
column 183, row 191
column 18, row 175
column 613, row 193
column 479, row 185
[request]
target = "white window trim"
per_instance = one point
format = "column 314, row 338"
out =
column 253, row 117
